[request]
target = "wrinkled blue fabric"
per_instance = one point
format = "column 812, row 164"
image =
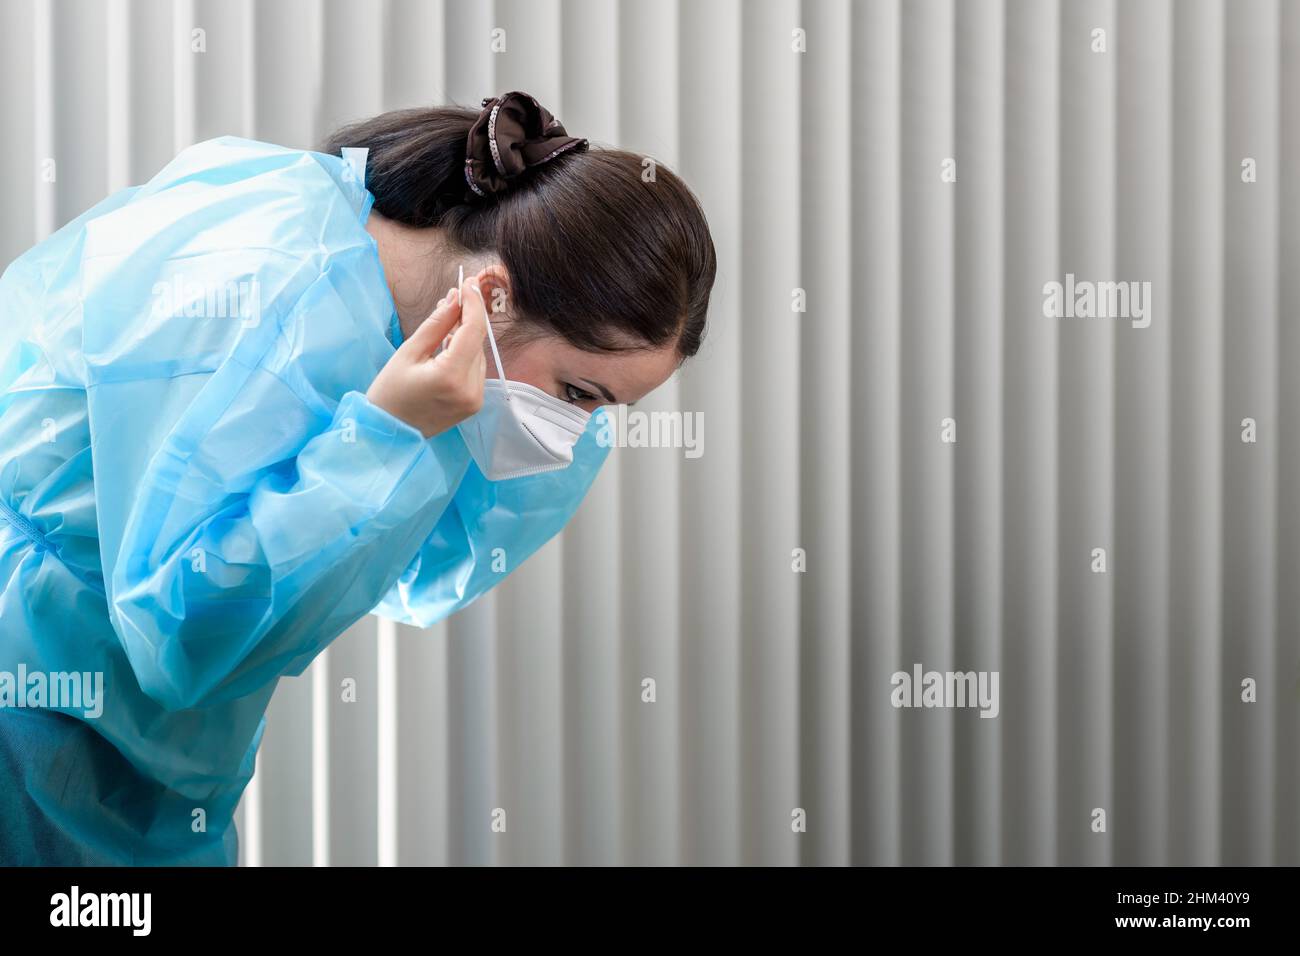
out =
column 196, row 500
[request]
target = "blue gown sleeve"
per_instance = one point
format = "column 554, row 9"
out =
column 490, row 529
column 252, row 503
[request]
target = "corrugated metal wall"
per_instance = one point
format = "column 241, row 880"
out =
column 824, row 171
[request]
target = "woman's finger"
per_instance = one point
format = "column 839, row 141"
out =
column 467, row 341
column 428, row 335
column 446, row 339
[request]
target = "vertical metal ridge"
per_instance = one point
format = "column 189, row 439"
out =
column 320, row 754
column 710, row 521
column 1030, row 389
column 248, row 85
column 1286, row 663
column 1084, row 426
column 43, row 116
column 979, row 345
column 251, row 843
column 117, row 84
column 825, row 358
column 876, row 102
column 926, row 456
column 1251, row 231
column 183, row 66
column 386, row 700
column 770, row 352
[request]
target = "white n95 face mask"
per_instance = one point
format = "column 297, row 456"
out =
column 520, row 430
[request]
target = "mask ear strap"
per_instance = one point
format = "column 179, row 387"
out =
column 492, row 339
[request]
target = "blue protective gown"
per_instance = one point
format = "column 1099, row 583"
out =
column 196, row 496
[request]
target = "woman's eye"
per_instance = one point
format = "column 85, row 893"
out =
column 576, row 395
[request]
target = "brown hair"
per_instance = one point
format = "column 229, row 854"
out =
column 594, row 253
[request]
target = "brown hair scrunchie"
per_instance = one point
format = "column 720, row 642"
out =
column 512, row 134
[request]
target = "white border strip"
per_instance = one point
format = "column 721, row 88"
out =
column 386, row 693
column 320, row 760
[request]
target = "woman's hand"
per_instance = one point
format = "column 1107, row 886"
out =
column 431, row 390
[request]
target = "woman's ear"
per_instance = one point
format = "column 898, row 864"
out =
column 494, row 283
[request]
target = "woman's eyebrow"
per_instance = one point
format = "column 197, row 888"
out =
column 608, row 395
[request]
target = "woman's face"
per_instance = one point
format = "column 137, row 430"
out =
column 587, row 380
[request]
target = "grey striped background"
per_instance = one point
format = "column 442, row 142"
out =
column 820, row 171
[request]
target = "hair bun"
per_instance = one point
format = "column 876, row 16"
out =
column 512, row 134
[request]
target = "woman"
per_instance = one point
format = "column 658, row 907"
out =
column 240, row 409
